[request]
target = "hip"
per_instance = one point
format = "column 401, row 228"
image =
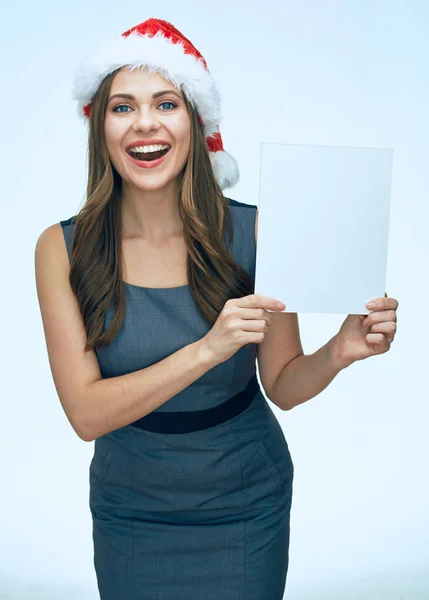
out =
column 235, row 466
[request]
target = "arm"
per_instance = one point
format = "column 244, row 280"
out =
column 306, row 376
column 93, row 405
column 109, row 404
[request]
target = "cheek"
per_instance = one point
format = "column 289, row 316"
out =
column 113, row 135
column 185, row 136
column 113, row 140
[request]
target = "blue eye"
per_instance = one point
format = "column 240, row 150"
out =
column 168, row 102
column 120, row 106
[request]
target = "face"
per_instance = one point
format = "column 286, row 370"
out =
column 137, row 118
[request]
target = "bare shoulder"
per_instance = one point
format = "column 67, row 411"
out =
column 51, row 241
column 50, row 233
column 51, row 259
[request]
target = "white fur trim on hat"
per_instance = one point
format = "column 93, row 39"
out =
column 158, row 54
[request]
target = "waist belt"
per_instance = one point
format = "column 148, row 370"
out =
column 194, row 420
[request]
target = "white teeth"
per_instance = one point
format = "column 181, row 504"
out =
column 153, row 148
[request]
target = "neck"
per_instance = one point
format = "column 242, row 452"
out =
column 150, row 215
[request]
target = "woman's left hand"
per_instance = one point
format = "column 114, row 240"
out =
column 362, row 336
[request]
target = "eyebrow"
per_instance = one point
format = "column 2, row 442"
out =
column 156, row 95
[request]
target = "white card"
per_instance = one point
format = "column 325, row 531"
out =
column 323, row 226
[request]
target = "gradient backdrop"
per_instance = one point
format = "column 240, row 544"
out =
column 352, row 73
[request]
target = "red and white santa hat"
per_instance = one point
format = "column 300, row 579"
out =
column 159, row 46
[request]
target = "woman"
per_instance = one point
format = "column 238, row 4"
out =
column 153, row 329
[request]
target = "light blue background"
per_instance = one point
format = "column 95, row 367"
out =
column 351, row 73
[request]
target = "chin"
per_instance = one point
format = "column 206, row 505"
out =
column 151, row 184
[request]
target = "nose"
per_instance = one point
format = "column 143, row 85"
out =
column 145, row 121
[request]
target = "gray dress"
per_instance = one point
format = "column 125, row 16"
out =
column 202, row 515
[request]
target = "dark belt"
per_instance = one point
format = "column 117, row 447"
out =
column 194, row 420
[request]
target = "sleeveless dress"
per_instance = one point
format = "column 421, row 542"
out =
column 203, row 515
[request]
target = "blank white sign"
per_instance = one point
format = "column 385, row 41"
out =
column 323, row 226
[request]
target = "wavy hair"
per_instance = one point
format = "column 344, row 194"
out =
column 96, row 259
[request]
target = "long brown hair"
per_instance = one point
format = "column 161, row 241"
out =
column 96, row 259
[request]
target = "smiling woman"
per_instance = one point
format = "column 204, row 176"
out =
column 141, row 126
column 187, row 449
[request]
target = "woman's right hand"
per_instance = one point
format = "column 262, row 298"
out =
column 242, row 321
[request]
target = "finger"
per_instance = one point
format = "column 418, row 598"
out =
column 383, row 304
column 387, row 329
column 258, row 301
column 379, row 317
column 267, row 303
column 375, row 338
column 380, row 344
column 254, row 314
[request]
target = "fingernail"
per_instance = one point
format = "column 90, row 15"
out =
column 281, row 305
column 370, row 305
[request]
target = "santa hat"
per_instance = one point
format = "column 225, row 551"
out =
column 160, row 47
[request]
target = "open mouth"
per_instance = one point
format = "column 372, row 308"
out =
column 148, row 156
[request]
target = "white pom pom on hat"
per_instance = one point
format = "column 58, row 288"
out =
column 160, row 47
